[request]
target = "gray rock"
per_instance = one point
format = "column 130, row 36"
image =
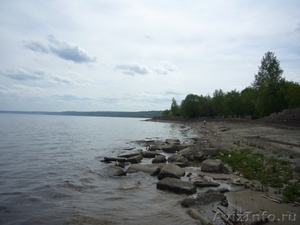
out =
column 183, row 146
column 159, row 159
column 112, row 171
column 152, row 169
column 176, row 185
column 192, row 153
column 149, row 154
column 171, row 170
column 135, row 159
column 128, row 155
column 169, row 148
column 211, row 165
column 178, row 158
column 204, row 198
column 173, row 141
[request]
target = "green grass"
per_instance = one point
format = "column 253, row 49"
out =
column 272, row 172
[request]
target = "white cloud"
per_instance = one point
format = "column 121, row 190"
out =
column 24, row 74
column 131, row 68
column 165, row 68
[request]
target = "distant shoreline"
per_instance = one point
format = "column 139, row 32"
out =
column 139, row 114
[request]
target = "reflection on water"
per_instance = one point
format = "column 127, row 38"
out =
column 50, row 172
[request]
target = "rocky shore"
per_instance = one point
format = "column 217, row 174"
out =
column 210, row 193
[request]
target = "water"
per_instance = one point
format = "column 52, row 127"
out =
column 50, row 172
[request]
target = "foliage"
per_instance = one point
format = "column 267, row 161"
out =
column 268, row 93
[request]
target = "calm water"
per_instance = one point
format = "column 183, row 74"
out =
column 50, row 172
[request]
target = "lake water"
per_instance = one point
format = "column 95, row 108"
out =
column 51, row 173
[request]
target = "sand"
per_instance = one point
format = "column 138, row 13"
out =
column 276, row 142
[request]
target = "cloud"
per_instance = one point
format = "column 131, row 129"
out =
column 165, row 68
column 21, row 90
column 132, row 69
column 24, row 74
column 35, row 46
column 68, row 51
column 61, row 49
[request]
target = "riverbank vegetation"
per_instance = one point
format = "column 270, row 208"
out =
column 270, row 92
column 267, row 171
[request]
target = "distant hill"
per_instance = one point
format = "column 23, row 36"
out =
column 140, row 114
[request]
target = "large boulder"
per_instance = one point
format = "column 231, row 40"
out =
column 135, row 159
column 149, row 154
column 112, row 171
column 192, row 153
column 177, row 158
column 171, row 170
column 211, row 165
column 176, row 185
column 128, row 155
column 152, row 169
column 159, row 159
column 169, row 148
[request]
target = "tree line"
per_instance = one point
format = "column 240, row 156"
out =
column 270, row 92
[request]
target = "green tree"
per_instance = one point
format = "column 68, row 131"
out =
column 233, row 103
column 247, row 100
column 218, row 103
column 292, row 94
column 175, row 108
column 267, row 84
column 190, row 106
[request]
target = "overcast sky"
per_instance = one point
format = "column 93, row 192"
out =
column 97, row 55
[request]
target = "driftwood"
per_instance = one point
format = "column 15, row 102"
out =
column 206, row 184
column 110, row 159
column 272, row 199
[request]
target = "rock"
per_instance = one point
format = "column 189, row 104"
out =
column 112, row 171
column 211, row 165
column 192, row 153
column 128, row 155
column 195, row 215
column 183, row 146
column 152, row 169
column 204, row 198
column 210, row 151
column 169, row 148
column 176, row 185
column 171, row 170
column 149, row 154
column 177, row 158
column 173, row 141
column 135, row 159
column 159, row 159
column 206, row 184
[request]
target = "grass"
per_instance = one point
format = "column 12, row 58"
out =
column 271, row 172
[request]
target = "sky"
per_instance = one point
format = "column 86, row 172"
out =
column 136, row 55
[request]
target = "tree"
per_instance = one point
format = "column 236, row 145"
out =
column 218, row 102
column 175, row 109
column 267, row 85
column 292, row 95
column 233, row 103
column 247, row 99
column 190, row 106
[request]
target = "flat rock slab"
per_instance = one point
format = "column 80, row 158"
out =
column 135, row 159
column 149, row 154
column 176, row 185
column 171, row 170
column 152, row 169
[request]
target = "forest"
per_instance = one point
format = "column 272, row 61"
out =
column 269, row 92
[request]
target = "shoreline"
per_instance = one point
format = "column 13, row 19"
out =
column 277, row 143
